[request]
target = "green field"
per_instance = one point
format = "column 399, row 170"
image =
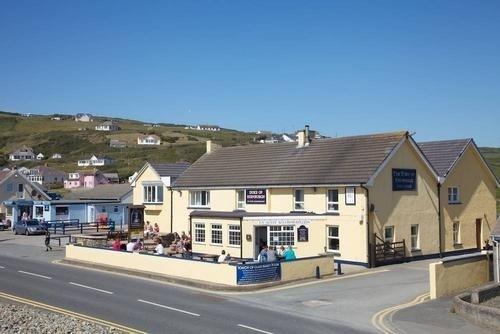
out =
column 77, row 140
column 492, row 156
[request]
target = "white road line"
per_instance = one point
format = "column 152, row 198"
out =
column 2, row 267
column 32, row 274
column 254, row 329
column 91, row 288
column 168, row 307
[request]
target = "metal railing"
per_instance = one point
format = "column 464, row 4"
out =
column 69, row 226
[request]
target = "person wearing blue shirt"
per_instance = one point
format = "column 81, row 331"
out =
column 289, row 254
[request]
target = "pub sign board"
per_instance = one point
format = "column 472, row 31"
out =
column 404, row 179
column 255, row 196
column 136, row 223
column 302, row 234
column 258, row 272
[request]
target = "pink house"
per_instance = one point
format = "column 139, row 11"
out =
column 85, row 179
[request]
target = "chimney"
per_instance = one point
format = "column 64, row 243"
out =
column 303, row 137
column 211, row 146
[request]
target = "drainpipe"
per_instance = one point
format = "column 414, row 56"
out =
column 191, row 226
column 171, row 211
column 370, row 260
column 440, row 222
column 241, row 237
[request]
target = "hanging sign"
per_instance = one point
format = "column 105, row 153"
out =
column 255, row 196
column 302, row 234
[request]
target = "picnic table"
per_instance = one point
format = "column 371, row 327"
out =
column 204, row 257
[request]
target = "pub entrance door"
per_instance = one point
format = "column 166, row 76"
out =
column 260, row 238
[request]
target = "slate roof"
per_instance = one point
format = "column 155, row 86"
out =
column 442, row 154
column 172, row 170
column 343, row 160
column 112, row 192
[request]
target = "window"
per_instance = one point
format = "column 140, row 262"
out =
column 9, row 187
column 281, row 235
column 200, row 198
column 453, row 195
column 456, row 233
column 234, row 235
column 415, row 237
column 153, row 194
column 332, row 201
column 20, row 187
column 389, row 234
column 240, row 199
column 199, row 232
column 350, row 195
column 298, row 200
column 333, row 240
column 217, row 234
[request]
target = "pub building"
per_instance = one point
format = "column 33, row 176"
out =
column 367, row 199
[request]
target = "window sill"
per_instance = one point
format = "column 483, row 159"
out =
column 233, row 246
column 458, row 244
column 199, row 207
column 416, row 250
column 152, row 203
column 199, row 243
column 217, row 245
column 454, row 203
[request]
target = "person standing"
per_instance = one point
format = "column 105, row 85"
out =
column 271, row 254
column 47, row 240
column 289, row 254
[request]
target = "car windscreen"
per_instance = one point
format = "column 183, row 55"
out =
column 32, row 223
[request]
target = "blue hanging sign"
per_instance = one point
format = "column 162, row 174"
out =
column 258, row 273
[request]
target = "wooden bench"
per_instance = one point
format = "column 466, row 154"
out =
column 59, row 237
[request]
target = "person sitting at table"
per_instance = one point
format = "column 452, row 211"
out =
column 156, row 230
column 131, row 245
column 117, row 244
column 148, row 230
column 271, row 254
column 222, row 257
column 289, row 254
column 159, row 247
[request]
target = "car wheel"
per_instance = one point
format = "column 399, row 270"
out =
column 15, row 232
column 27, row 232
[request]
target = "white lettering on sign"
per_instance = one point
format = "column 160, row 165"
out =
column 281, row 221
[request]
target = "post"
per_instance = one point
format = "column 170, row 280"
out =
column 318, row 274
column 339, row 268
column 81, row 228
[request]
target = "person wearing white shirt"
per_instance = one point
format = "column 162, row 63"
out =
column 159, row 249
column 131, row 245
column 222, row 257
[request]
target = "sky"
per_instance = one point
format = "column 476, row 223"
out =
column 342, row 67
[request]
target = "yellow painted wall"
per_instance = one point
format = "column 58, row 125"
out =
column 401, row 209
column 154, row 213
column 477, row 193
column 451, row 277
column 294, row 270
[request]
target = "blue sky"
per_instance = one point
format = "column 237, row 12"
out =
column 344, row 67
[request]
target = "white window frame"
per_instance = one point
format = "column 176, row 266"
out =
column 456, row 233
column 152, row 197
column 330, row 203
column 285, row 234
column 200, row 236
column 453, row 195
column 415, row 238
column 214, row 239
column 329, row 237
column 298, row 205
column 197, row 197
column 386, row 228
column 240, row 204
column 234, row 235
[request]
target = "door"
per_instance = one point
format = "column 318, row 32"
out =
column 260, row 239
column 479, row 223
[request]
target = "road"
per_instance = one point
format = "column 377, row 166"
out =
column 147, row 305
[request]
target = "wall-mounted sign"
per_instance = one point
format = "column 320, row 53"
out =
column 302, row 234
column 136, row 223
column 350, row 195
column 255, row 196
column 257, row 273
column 279, row 221
column 404, row 179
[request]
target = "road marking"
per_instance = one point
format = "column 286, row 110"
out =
column 80, row 316
column 33, row 274
column 168, row 307
column 91, row 288
column 2, row 267
column 254, row 329
column 378, row 320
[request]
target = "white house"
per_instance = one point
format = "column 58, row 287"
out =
column 83, row 118
column 148, row 140
column 107, row 126
column 56, row 156
column 40, row 156
column 204, row 127
column 95, row 161
column 24, row 153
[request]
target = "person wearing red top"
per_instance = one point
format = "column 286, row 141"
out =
column 117, row 244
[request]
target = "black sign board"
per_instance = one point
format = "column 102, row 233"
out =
column 136, row 223
column 255, row 196
column 404, row 179
column 302, row 234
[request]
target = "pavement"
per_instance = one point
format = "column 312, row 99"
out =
column 385, row 299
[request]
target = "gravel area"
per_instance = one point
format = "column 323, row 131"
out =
column 17, row 318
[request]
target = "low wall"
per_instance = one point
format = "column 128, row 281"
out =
column 457, row 273
column 468, row 305
column 212, row 272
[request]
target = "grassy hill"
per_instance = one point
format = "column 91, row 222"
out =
column 492, row 156
column 79, row 140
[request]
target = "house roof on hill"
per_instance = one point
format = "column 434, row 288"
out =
column 172, row 170
column 443, row 154
column 149, row 136
column 344, row 160
column 108, row 123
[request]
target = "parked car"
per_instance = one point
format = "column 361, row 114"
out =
column 4, row 225
column 28, row 227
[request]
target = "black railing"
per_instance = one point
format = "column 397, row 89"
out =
column 386, row 252
column 69, row 226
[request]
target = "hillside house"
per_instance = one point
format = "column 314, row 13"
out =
column 44, row 175
column 22, row 154
column 116, row 143
column 40, row 156
column 83, row 117
column 85, row 179
column 148, row 140
column 95, row 161
column 56, row 156
column 107, row 126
